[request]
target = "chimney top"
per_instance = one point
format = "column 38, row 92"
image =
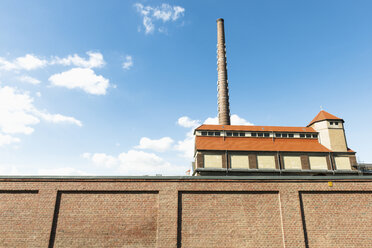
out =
column 220, row 20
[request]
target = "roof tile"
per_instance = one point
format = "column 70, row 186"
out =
column 259, row 144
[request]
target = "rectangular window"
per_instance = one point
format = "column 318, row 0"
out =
column 229, row 134
column 266, row 162
column 241, row 134
column 253, row 134
column 318, row 162
column 203, row 133
column 278, row 135
column 315, row 136
column 239, row 162
column 290, row 135
column 302, row 135
column 236, row 134
column 336, row 123
column 212, row 161
column 331, row 123
column 260, row 134
column 210, row 133
column 266, row 135
column 284, row 135
column 292, row 162
column 217, row 133
column 343, row 163
column 308, row 135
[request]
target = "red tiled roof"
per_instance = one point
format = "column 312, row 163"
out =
column 323, row 115
column 256, row 128
column 258, row 144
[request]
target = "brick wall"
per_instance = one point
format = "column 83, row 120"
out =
column 186, row 212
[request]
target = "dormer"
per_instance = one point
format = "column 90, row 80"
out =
column 331, row 131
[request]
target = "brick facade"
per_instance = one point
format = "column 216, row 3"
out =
column 252, row 161
column 186, row 212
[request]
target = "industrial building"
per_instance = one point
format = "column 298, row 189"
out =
column 225, row 149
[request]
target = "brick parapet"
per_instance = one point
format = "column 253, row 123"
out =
column 280, row 199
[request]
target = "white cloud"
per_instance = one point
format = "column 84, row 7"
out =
column 159, row 145
column 7, row 139
column 135, row 162
column 28, row 79
column 18, row 114
column 27, row 62
column 32, row 62
column 139, row 163
column 235, row 120
column 95, row 60
column 86, row 155
column 211, row 120
column 185, row 121
column 186, row 146
column 149, row 26
column 58, row 118
column 84, row 78
column 101, row 159
column 6, row 65
column 164, row 13
column 128, row 63
column 38, row 94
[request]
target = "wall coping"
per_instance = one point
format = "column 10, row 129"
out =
column 368, row 178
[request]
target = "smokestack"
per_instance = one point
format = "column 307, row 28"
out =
column 223, row 89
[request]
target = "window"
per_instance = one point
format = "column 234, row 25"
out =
column 318, row 162
column 241, row 134
column 302, row 135
column 266, row 134
column 278, row 135
column 292, row 162
column 217, row 133
column 260, row 134
column 212, row 161
column 308, row 135
column 203, row 133
column 266, row 162
column 315, row 136
column 343, row 163
column 336, row 123
column 331, row 123
column 290, row 135
column 210, row 133
column 236, row 134
column 239, row 162
column 229, row 134
column 284, row 135
column 253, row 134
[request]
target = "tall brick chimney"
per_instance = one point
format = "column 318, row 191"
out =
column 223, row 89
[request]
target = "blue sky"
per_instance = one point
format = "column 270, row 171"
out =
column 116, row 87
